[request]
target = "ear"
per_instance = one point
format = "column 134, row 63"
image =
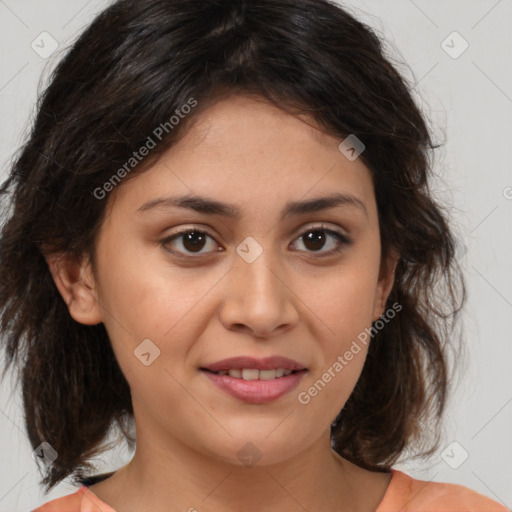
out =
column 75, row 281
column 385, row 283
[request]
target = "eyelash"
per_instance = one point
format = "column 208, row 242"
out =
column 343, row 241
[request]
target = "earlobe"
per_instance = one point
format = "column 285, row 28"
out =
column 385, row 283
column 75, row 281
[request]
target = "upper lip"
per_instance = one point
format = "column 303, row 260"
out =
column 267, row 363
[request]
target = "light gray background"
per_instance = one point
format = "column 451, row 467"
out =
column 468, row 99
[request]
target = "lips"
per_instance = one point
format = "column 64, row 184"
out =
column 246, row 362
column 255, row 391
column 255, row 381
column 254, row 374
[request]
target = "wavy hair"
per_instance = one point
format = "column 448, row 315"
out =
column 130, row 70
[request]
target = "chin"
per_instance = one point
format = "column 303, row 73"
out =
column 257, row 447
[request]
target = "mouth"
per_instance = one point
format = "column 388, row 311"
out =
column 255, row 381
column 254, row 386
column 254, row 373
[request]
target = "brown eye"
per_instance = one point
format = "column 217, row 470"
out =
column 316, row 239
column 191, row 241
column 195, row 241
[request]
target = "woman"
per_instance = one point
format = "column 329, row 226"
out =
column 221, row 231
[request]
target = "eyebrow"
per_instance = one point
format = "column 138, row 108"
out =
column 210, row 206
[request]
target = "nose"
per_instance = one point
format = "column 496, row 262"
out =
column 259, row 298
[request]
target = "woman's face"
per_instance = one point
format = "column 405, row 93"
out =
column 262, row 283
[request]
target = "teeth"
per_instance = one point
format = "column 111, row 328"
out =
column 254, row 374
column 267, row 374
column 250, row 374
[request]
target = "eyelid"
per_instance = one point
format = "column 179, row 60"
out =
column 182, row 231
column 320, row 226
column 343, row 239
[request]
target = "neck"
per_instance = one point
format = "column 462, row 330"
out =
column 179, row 478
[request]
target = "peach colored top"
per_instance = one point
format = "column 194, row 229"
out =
column 404, row 494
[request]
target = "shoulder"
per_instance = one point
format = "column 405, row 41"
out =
column 408, row 494
column 83, row 500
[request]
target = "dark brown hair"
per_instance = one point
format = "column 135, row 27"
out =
column 138, row 62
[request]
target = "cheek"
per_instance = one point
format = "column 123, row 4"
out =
column 144, row 304
column 143, row 300
column 325, row 392
column 344, row 305
column 148, row 296
column 344, row 300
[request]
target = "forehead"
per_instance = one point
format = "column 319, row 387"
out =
column 247, row 151
column 240, row 124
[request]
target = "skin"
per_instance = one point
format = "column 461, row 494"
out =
column 292, row 301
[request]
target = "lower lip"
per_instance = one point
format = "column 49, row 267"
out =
column 256, row 391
